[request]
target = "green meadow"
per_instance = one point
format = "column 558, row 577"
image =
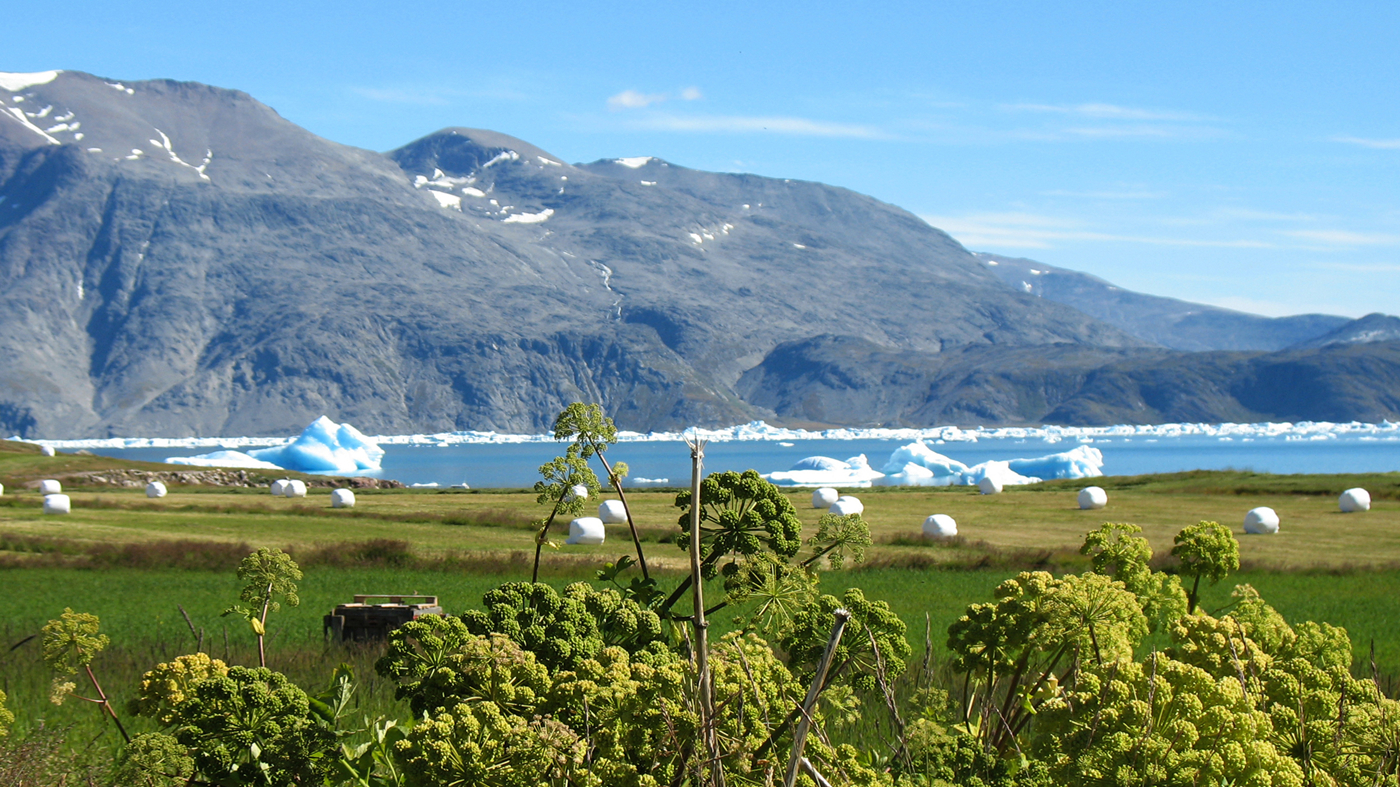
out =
column 159, row 572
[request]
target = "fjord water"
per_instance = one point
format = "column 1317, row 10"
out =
column 497, row 465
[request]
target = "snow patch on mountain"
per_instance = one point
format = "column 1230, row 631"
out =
column 17, row 82
column 633, row 162
column 529, row 218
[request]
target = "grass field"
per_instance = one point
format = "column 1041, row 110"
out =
column 135, row 562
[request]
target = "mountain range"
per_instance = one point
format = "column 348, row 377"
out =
column 177, row 259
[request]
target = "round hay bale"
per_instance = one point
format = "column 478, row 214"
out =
column 1355, row 499
column 279, row 487
column 57, row 504
column 940, row 526
column 612, row 512
column 342, row 498
column 586, row 530
column 1092, row 498
column 1261, row 521
column 155, row 489
column 50, row 487
column 824, row 497
column 295, row 488
column 578, row 492
column 847, row 505
column 47, row 450
column 989, row 485
column 2, row 490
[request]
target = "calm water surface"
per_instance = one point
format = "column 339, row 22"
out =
column 514, row 464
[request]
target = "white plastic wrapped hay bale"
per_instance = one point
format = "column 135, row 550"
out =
column 279, row 487
column 1354, row 500
column 1092, row 498
column 57, row 504
column 295, row 488
column 47, row 450
column 612, row 512
column 342, row 498
column 155, row 489
column 50, row 487
column 847, row 505
column 578, row 492
column 824, row 497
column 586, row 530
column 1261, row 521
column 2, row 490
column 940, row 526
column 989, row 485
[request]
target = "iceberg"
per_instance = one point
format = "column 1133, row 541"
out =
column 325, row 447
column 943, row 471
column 999, row 473
column 1085, row 461
column 222, row 459
column 825, row 471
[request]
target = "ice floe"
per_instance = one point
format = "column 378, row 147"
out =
column 761, row 431
column 223, row 459
column 825, row 471
column 916, row 464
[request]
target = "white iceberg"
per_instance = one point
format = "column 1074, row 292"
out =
column 223, row 459
column 996, row 472
column 942, row 470
column 825, row 471
column 910, row 475
column 1085, row 461
column 325, row 447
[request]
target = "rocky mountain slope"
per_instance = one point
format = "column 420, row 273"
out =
column 177, row 259
column 1180, row 325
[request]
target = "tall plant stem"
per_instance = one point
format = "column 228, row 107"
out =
column 617, row 484
column 262, row 627
column 544, row 531
column 702, row 645
column 799, row 737
column 105, row 703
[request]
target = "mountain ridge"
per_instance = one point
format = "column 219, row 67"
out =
column 228, row 272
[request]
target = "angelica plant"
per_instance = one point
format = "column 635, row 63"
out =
column 1205, row 549
column 70, row 643
column 270, row 574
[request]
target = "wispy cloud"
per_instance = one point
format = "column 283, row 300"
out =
column 1345, row 237
column 1033, row 231
column 1378, row 144
column 1106, row 195
column 436, row 96
column 1108, row 112
column 633, row 99
column 742, row 124
column 395, row 95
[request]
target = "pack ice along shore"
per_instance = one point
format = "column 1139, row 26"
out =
column 177, row 260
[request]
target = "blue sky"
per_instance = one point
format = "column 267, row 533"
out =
column 1241, row 154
